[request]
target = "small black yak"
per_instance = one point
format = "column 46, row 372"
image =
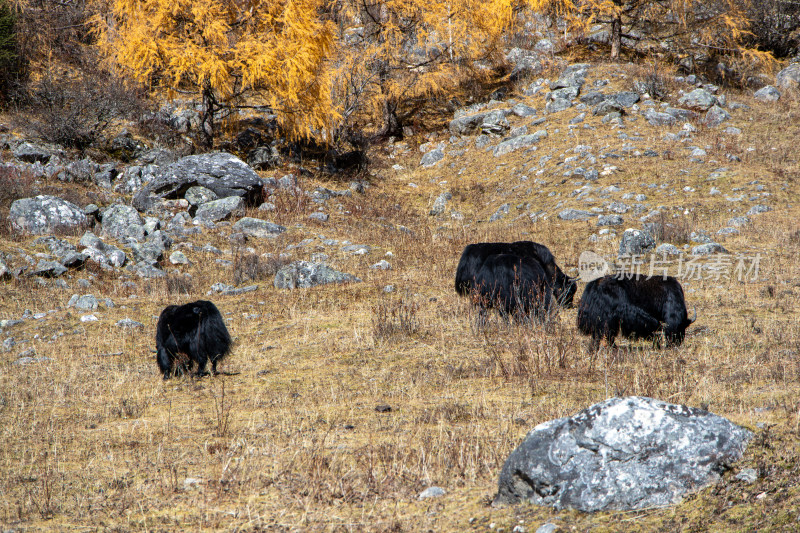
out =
column 188, row 334
column 637, row 307
column 474, row 255
column 513, row 285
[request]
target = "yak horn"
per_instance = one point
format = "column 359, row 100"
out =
column 695, row 315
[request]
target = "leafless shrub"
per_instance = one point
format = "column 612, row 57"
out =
column 672, row 230
column 15, row 184
column 396, row 319
column 252, row 267
column 179, row 283
column 75, row 110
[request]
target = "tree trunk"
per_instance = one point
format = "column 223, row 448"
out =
column 616, row 36
column 207, row 117
column 391, row 124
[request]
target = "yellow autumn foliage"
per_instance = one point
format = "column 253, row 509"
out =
column 272, row 50
column 695, row 27
column 396, row 53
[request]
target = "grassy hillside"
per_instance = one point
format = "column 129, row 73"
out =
column 92, row 438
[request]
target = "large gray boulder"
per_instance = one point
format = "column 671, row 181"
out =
column 789, row 78
column 302, row 274
column 221, row 172
column 121, row 222
column 636, row 242
column 43, row 214
column 621, row 454
column 699, row 99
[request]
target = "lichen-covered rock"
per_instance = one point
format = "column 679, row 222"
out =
column 220, row 209
column 516, row 143
column 44, row 214
column 440, row 203
column 699, row 99
column 768, row 93
column 789, row 78
column 716, row 116
column 101, row 252
column 255, row 227
column 656, row 118
column 621, row 454
column 575, row 214
column 221, row 172
column 636, row 242
column 49, row 269
column 122, row 222
column 302, row 274
column 66, row 254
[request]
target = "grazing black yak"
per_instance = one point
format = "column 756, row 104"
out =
column 513, row 285
column 474, row 255
column 188, row 334
column 638, row 308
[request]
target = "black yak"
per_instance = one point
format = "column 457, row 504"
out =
column 188, row 334
column 637, row 307
column 474, row 255
column 513, row 285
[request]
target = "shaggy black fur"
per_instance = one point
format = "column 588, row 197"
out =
column 513, row 285
column 188, row 334
column 474, row 255
column 637, row 307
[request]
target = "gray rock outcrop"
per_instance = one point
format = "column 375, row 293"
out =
column 221, row 172
column 621, row 454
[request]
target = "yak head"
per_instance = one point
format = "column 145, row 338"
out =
column 564, row 288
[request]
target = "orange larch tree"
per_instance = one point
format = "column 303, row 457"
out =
column 275, row 51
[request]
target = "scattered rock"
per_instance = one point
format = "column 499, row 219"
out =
column 708, row 249
column 609, row 220
column 515, row 143
column 128, row 323
column 256, row 227
column 716, row 116
column 221, row 209
column 698, row 99
column 621, row 454
column 758, row 209
column 431, row 492
column 302, row 274
column 121, row 222
column 789, row 78
column 440, row 203
column 575, row 214
column 667, row 249
column 636, row 242
column 49, row 269
column 768, row 93
column 87, row 302
column 432, row 157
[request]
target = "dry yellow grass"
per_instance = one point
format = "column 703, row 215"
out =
column 94, row 439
